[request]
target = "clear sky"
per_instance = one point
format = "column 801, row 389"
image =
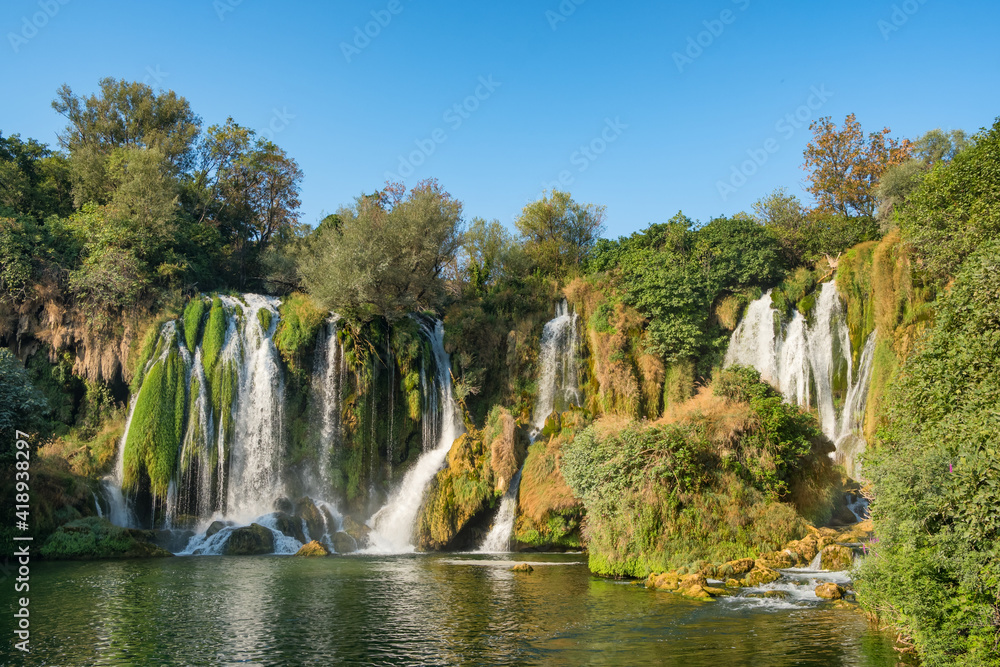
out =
column 663, row 118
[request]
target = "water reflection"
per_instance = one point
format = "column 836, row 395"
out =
column 411, row 609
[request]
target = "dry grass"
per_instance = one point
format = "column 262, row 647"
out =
column 543, row 488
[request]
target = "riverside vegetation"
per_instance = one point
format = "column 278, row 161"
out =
column 132, row 263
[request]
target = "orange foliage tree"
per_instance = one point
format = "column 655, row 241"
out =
column 844, row 167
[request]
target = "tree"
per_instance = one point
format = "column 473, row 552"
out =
column 386, row 257
column 844, row 167
column 490, row 254
column 559, row 232
column 938, row 145
column 125, row 114
column 22, row 407
column 33, row 179
column 785, row 216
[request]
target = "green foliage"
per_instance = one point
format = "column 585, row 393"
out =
column 264, row 318
column 956, row 209
column 935, row 571
column 673, row 273
column 22, row 408
column 193, row 314
column 386, row 257
column 559, row 232
column 95, row 538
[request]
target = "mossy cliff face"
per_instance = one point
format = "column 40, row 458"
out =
column 481, row 464
column 550, row 515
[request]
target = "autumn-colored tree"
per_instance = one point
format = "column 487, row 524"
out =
column 844, row 167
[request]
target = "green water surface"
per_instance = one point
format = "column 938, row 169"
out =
column 402, row 610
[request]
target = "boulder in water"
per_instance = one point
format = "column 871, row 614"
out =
column 215, row 527
column 735, row 567
column 172, row 540
column 522, row 567
column 313, row 550
column 344, row 543
column 93, row 537
column 829, row 591
column 769, row 595
column 761, row 575
column 252, row 540
column 358, row 531
column 305, row 509
column 289, row 525
column 836, row 558
column 775, row 560
column 283, row 505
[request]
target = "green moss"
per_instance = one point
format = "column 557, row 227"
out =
column 806, row 306
column 296, row 334
column 215, row 334
column 264, row 317
column 157, row 425
column 193, row 315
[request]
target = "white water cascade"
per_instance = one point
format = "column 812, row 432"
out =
column 392, row 526
column 558, row 383
column 558, row 387
column 811, row 364
column 329, row 375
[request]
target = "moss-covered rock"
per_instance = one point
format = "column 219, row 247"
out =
column 313, row 549
column 306, row 511
column 775, row 560
column 522, row 567
column 215, row 527
column 760, row 576
column 829, row 591
column 252, row 540
column 97, row 538
column 734, row 568
column 836, row 558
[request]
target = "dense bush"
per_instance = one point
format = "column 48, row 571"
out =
column 935, row 570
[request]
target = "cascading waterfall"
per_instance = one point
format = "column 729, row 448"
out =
column 558, row 387
column 558, row 383
column 811, row 364
column 392, row 526
column 328, row 382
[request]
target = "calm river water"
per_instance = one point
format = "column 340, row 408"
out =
column 420, row 609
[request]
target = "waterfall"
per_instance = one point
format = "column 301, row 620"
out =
column 498, row 539
column 811, row 364
column 328, row 383
column 393, row 525
column 558, row 384
column 558, row 387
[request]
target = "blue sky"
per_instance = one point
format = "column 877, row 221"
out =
column 535, row 84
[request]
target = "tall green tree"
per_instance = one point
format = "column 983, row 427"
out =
column 559, row 232
column 388, row 255
column 122, row 115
